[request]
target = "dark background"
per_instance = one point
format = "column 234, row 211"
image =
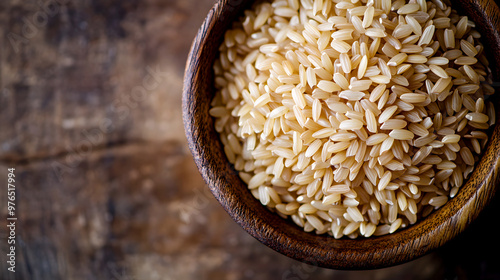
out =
column 90, row 118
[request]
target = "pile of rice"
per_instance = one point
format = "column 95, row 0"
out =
column 353, row 118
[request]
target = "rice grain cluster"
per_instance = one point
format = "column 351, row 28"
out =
column 353, row 118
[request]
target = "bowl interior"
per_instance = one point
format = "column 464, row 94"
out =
column 284, row 236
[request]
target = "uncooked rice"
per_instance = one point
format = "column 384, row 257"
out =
column 353, row 118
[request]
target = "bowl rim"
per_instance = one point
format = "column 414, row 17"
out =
column 404, row 245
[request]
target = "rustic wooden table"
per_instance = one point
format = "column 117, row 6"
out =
column 90, row 118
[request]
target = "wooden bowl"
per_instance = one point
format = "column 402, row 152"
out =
column 284, row 236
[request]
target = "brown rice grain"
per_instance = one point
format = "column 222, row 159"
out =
column 466, row 60
column 401, row 134
column 477, row 117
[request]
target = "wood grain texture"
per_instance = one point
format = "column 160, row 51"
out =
column 134, row 207
column 72, row 75
column 282, row 235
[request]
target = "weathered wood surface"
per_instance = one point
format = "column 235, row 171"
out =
column 90, row 117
